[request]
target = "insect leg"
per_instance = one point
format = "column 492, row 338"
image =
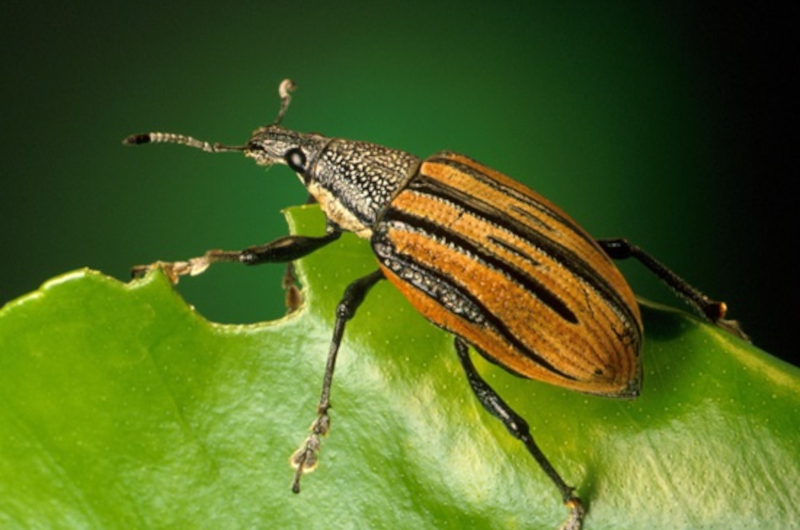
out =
column 305, row 458
column 712, row 310
column 283, row 249
column 519, row 428
column 293, row 298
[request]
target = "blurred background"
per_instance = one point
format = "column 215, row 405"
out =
column 666, row 124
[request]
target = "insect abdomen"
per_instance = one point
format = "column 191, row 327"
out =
column 490, row 260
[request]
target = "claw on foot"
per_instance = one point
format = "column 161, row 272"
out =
column 174, row 269
column 716, row 313
column 576, row 513
column 305, row 459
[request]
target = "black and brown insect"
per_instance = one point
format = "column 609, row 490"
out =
column 478, row 254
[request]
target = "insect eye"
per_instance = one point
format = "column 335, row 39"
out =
column 296, row 160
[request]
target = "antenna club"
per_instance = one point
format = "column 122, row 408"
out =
column 286, row 86
column 284, row 90
column 137, row 139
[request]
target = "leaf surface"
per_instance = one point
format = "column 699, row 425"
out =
column 121, row 407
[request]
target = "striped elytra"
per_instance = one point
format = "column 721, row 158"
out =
column 495, row 263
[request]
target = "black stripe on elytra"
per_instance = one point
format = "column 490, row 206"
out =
column 452, row 239
column 511, row 192
column 514, row 250
column 531, row 218
column 442, row 289
column 491, row 214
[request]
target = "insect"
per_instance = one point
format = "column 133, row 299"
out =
column 478, row 254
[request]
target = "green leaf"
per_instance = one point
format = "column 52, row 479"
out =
column 121, row 407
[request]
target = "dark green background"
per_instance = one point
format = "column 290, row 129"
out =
column 665, row 124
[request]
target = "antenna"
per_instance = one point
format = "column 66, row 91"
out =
column 284, row 91
column 172, row 138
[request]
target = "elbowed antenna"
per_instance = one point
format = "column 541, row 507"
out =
column 284, row 91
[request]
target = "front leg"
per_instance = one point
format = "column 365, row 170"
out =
column 305, row 458
column 282, row 250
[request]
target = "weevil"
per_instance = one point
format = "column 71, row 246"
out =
column 480, row 255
